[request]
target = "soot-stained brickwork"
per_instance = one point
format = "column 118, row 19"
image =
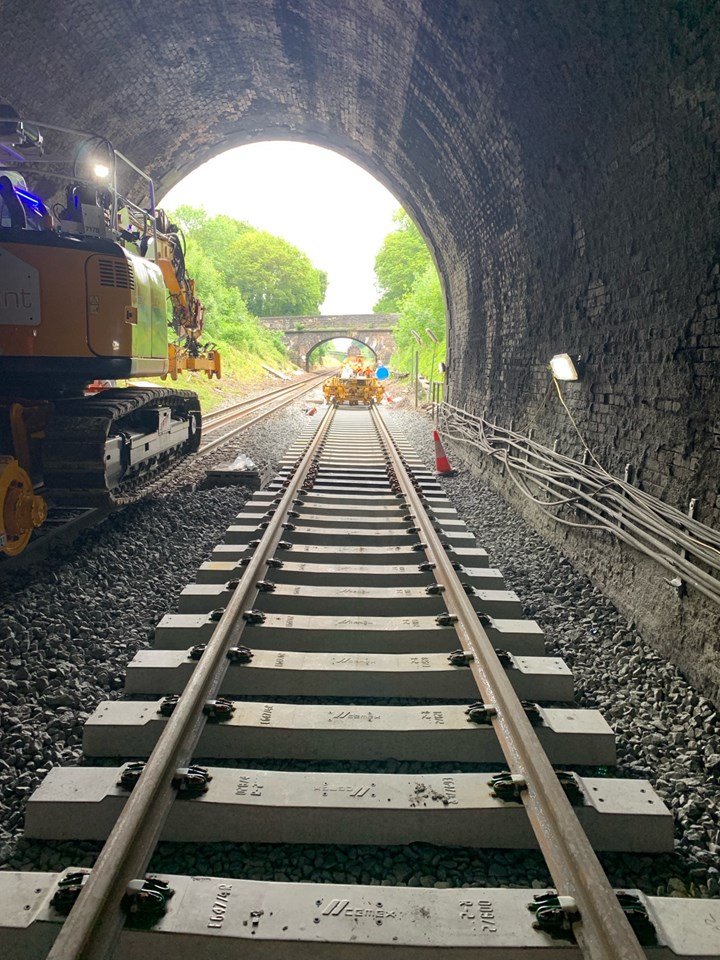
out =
column 560, row 157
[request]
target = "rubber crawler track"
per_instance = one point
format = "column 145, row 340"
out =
column 74, row 449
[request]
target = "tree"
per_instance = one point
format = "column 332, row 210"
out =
column 403, row 257
column 213, row 235
column 226, row 316
column 422, row 308
column 410, row 286
column 274, row 277
column 227, row 319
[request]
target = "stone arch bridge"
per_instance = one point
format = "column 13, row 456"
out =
column 303, row 334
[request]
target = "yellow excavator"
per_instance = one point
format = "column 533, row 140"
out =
column 93, row 289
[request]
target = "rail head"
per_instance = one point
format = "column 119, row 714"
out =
column 602, row 929
column 95, row 922
column 282, row 396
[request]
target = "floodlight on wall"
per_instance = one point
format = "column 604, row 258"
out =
column 101, row 171
column 563, row 367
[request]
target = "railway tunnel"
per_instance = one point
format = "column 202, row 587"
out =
column 560, row 159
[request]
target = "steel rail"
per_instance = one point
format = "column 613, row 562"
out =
column 95, row 922
column 218, row 441
column 598, row 922
column 218, row 418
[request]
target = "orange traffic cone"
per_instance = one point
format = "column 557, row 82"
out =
column 442, row 464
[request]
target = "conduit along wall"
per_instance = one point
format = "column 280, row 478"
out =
column 659, row 565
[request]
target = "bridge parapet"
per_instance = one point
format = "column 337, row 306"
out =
column 339, row 322
column 303, row 334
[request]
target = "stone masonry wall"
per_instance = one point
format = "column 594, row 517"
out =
column 341, row 323
column 303, row 334
column 627, row 187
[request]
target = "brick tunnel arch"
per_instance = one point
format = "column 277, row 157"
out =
column 566, row 208
column 559, row 158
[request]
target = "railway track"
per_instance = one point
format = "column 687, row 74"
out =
column 347, row 616
column 269, row 402
column 65, row 523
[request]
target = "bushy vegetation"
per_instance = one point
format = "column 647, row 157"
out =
column 271, row 276
column 274, row 277
column 409, row 285
column 227, row 318
column 242, row 273
column 402, row 258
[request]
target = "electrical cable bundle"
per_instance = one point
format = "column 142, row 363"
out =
column 562, row 487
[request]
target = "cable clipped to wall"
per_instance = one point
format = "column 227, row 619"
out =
column 586, row 496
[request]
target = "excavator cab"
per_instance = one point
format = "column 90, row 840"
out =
column 93, row 287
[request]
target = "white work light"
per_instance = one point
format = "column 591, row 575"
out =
column 101, row 171
column 563, row 368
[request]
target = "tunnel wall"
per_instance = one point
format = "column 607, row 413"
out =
column 560, row 158
column 624, row 179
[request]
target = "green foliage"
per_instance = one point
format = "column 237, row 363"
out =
column 241, row 339
column 421, row 309
column 242, row 273
column 320, row 355
column 274, row 277
column 401, row 260
column 410, row 286
column 213, row 235
column 227, row 319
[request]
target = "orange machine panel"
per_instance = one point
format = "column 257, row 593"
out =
column 59, row 327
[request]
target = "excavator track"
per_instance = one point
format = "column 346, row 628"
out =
column 101, row 450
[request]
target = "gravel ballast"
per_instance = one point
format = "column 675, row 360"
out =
column 69, row 626
column 666, row 731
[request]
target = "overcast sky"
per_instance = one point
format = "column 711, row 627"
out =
column 322, row 203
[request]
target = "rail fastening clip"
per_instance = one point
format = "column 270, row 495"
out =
column 555, row 915
column 254, row 616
